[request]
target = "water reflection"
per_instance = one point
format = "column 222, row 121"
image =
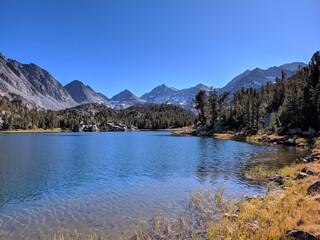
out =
column 107, row 179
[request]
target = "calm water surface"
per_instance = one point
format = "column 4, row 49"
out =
column 107, row 181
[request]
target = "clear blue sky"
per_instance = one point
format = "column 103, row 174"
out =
column 139, row 44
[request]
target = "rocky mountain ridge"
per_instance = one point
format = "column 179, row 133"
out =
column 258, row 77
column 126, row 99
column 85, row 94
column 35, row 87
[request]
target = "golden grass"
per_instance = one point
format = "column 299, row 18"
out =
column 259, row 173
column 63, row 234
column 316, row 145
column 36, row 130
column 272, row 216
column 175, row 129
column 227, row 136
column 238, row 137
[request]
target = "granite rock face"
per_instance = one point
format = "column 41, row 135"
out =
column 85, row 94
column 35, row 86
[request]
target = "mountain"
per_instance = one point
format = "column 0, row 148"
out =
column 184, row 97
column 85, row 94
column 159, row 94
column 34, row 85
column 126, row 99
column 259, row 77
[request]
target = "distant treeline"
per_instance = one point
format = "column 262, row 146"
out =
column 13, row 115
column 277, row 107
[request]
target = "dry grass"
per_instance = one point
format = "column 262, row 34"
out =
column 316, row 145
column 272, row 216
column 64, row 234
column 259, row 173
column 36, row 130
column 227, row 136
column 239, row 137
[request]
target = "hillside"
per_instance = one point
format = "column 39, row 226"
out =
column 32, row 85
column 290, row 105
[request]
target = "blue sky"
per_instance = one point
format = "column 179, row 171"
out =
column 139, row 44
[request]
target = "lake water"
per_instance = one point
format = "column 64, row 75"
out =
column 107, row 181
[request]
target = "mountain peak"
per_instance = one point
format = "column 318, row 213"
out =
column 85, row 94
column 294, row 66
column 123, row 94
column 126, row 99
column 202, row 86
column 127, row 91
column 76, row 82
column 159, row 94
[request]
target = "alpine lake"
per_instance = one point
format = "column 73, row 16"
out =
column 109, row 181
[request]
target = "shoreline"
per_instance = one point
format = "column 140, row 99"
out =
column 290, row 209
column 288, row 139
column 37, row 130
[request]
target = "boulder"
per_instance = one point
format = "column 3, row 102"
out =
column 278, row 179
column 299, row 235
column 314, row 188
column 289, row 141
column 200, row 130
column 308, row 171
column 301, row 175
column 310, row 158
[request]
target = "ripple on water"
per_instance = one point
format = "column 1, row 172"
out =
column 109, row 181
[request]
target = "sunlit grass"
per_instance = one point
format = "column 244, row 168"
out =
column 36, row 130
column 271, row 217
column 259, row 173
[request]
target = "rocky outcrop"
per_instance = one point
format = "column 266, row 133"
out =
column 112, row 127
column 299, row 235
column 314, row 188
column 87, row 128
column 309, row 158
